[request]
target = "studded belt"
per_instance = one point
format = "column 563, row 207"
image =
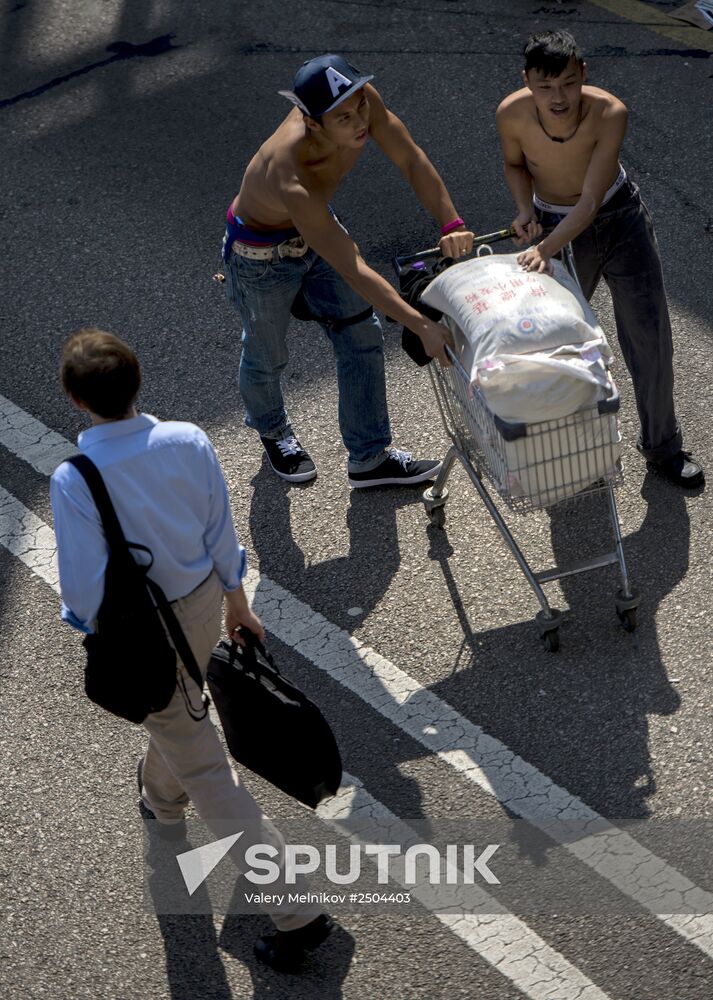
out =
column 296, row 247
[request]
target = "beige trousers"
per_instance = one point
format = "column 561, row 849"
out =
column 185, row 760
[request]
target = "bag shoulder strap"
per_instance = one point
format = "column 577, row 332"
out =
column 97, row 487
column 176, row 632
column 117, row 542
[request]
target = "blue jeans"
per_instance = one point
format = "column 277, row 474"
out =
column 263, row 292
column 620, row 246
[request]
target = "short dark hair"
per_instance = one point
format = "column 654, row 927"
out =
column 101, row 371
column 551, row 51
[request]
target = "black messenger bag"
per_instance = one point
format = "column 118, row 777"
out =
column 270, row 726
column 131, row 665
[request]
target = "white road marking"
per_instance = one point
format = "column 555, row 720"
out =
column 488, row 763
column 464, row 746
column 30, row 440
column 28, row 538
column 503, row 940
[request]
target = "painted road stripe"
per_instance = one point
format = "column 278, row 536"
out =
column 656, row 20
column 30, row 440
column 464, row 746
column 28, row 538
column 503, row 940
column 485, row 761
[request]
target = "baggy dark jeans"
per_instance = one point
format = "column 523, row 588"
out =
column 620, row 246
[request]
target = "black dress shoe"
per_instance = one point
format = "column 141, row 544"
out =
column 285, row 950
column 681, row 469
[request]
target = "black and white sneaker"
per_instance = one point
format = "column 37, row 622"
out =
column 289, row 459
column 397, row 469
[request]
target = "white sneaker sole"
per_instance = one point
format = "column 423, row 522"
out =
column 295, row 477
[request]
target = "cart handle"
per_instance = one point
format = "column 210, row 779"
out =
column 401, row 261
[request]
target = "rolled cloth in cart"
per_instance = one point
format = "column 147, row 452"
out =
column 529, row 341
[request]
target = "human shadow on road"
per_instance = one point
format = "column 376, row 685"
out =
column 345, row 588
column 320, row 978
column 193, row 947
column 580, row 715
column 193, row 964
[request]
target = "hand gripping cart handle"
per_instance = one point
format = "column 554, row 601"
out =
column 558, row 460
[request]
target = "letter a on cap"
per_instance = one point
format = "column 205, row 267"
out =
column 336, row 80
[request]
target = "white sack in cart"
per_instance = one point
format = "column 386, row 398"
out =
column 533, row 346
column 529, row 341
column 561, row 457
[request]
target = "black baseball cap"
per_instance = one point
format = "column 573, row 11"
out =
column 322, row 83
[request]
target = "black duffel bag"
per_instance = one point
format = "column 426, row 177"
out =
column 270, row 726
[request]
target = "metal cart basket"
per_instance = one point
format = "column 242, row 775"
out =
column 528, row 466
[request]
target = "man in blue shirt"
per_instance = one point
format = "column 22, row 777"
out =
column 170, row 495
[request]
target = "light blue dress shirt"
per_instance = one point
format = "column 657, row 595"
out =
column 170, row 495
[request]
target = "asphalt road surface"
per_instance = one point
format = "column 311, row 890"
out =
column 125, row 129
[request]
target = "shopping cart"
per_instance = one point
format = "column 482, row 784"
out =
column 529, row 466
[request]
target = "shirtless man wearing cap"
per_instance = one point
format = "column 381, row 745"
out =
column 561, row 143
column 285, row 251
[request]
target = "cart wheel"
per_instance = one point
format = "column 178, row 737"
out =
column 627, row 619
column 438, row 516
column 551, row 640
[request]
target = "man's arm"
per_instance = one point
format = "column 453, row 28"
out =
column 602, row 167
column 82, row 551
column 239, row 614
column 219, row 536
column 396, row 141
column 517, row 176
column 227, row 553
column 310, row 215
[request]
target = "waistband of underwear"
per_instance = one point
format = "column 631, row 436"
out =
column 257, row 237
column 546, row 206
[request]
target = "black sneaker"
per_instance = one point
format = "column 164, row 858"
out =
column 397, row 469
column 681, row 469
column 289, row 459
column 285, row 950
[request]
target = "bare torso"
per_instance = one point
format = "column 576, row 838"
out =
column 288, row 153
column 558, row 169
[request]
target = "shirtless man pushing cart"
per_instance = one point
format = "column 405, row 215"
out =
column 285, row 252
column 561, row 141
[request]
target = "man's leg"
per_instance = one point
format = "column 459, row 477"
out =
column 634, row 276
column 263, row 291
column 587, row 262
column 621, row 245
column 358, row 342
column 193, row 756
